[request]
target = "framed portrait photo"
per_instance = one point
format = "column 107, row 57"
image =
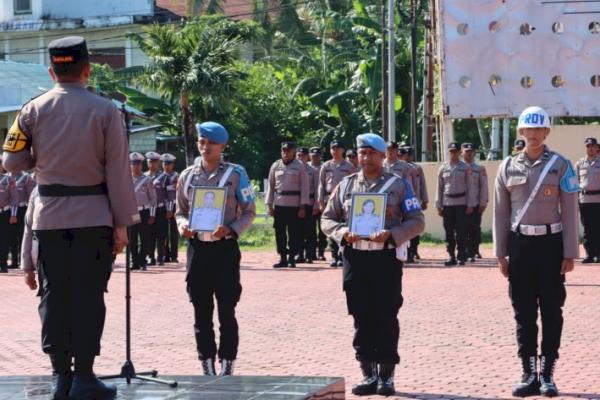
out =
column 367, row 213
column 208, row 208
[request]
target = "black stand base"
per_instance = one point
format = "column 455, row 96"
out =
column 128, row 373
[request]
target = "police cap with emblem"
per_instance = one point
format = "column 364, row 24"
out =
column 336, row 143
column 288, row 145
column 351, row 153
column 213, row 131
column 167, row 158
column 392, row 145
column 406, row 149
column 315, row 151
column 136, row 157
column 68, row 50
column 468, row 146
column 591, row 141
column 302, row 150
column 453, row 146
column 519, row 144
column 152, row 156
column 371, row 140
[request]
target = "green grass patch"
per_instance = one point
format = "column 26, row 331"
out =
column 258, row 237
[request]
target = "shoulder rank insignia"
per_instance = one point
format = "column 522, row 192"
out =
column 16, row 140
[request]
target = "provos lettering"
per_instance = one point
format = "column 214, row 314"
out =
column 536, row 119
column 412, row 204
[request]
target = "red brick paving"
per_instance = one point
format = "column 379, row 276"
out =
column 457, row 337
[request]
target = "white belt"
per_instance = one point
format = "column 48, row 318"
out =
column 160, row 205
column 369, row 245
column 208, row 237
column 2, row 209
column 540, row 230
column 23, row 204
column 141, row 208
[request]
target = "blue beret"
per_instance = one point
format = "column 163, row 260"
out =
column 213, row 131
column 372, row 140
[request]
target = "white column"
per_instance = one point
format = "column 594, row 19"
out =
column 391, row 74
column 495, row 147
column 505, row 137
column 447, row 136
column 128, row 53
column 6, row 49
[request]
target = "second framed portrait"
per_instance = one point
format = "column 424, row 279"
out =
column 367, row 213
column 208, row 208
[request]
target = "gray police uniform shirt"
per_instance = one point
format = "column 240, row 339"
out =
column 289, row 185
column 8, row 194
column 29, row 248
column 404, row 170
column 588, row 172
column 145, row 194
column 313, row 182
column 480, row 184
column 160, row 187
column 238, row 215
column 24, row 185
column 76, row 138
column 552, row 204
column 455, row 186
column 170, row 201
column 404, row 218
column 422, row 195
column 330, row 176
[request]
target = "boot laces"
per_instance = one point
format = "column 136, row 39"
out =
column 226, row 367
column 547, row 372
column 208, row 367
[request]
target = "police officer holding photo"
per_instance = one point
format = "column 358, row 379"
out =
column 455, row 201
column 480, row 189
column 145, row 194
column 536, row 227
column 287, row 196
column 588, row 171
column 77, row 145
column 213, row 258
column 332, row 172
column 309, row 223
column 315, row 162
column 372, row 271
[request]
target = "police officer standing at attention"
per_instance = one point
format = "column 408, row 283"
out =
column 286, row 199
column 8, row 205
column 81, row 213
column 213, row 258
column 536, row 227
column 332, row 172
column 372, row 271
column 23, row 184
column 141, row 233
column 315, row 162
column 153, row 159
column 455, row 200
column 480, row 189
column 406, row 154
column 172, row 234
column 588, row 171
column 352, row 156
column 309, row 223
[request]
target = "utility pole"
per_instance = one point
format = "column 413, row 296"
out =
column 391, row 73
column 384, row 102
column 413, row 73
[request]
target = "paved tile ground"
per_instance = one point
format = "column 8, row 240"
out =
column 457, row 336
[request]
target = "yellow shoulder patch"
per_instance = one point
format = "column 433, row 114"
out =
column 16, row 140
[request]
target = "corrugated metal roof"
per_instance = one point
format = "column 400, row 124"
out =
column 19, row 82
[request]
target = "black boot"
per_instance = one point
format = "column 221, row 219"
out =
column 208, row 367
column 385, row 384
column 281, row 264
column 321, row 255
column 450, row 262
column 547, row 386
column 588, row 260
column 91, row 388
column 369, row 383
column 62, row 376
column 291, row 262
column 300, row 259
column 529, row 385
column 226, row 367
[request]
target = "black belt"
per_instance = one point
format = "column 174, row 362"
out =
column 590, row 191
column 66, row 191
column 311, row 196
column 289, row 193
column 456, row 195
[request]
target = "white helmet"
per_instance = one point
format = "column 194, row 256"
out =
column 534, row 117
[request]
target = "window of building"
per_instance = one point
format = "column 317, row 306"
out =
column 115, row 57
column 22, row 6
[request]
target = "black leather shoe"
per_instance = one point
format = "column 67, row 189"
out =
column 417, row 256
column 61, row 385
column 478, row 255
column 91, row 388
column 333, row 263
column 321, row 258
column 369, row 383
column 588, row 260
column 450, row 262
column 291, row 264
column 152, row 261
column 300, row 260
column 340, row 263
column 385, row 384
column 309, row 260
column 135, row 267
column 461, row 262
column 3, row 270
column 529, row 384
column 281, row 264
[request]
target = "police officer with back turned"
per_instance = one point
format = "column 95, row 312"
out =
column 536, row 227
column 76, row 143
column 372, row 269
column 213, row 258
